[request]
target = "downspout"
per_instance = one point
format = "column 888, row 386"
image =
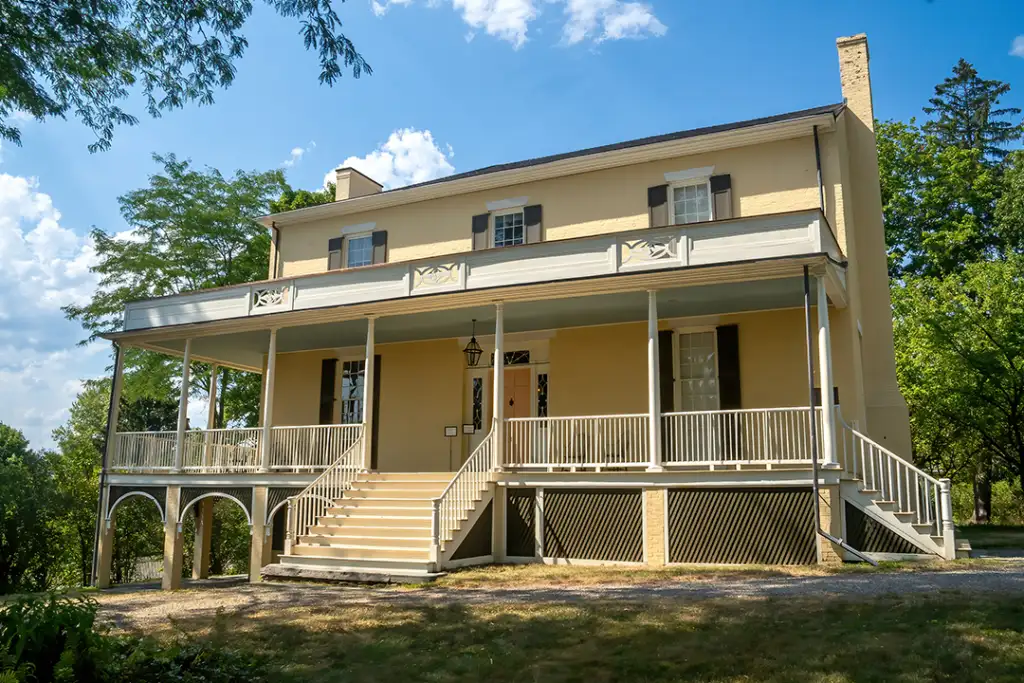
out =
column 817, row 161
column 814, row 432
column 277, row 249
column 103, row 473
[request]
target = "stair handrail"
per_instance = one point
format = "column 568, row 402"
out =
column 461, row 494
column 899, row 481
column 306, row 507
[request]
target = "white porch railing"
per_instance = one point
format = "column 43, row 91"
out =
column 911, row 489
column 577, row 442
column 462, row 493
column 764, row 436
column 222, row 450
column 311, row 448
column 310, row 504
column 137, row 451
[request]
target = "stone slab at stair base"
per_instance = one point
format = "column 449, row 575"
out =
column 282, row 571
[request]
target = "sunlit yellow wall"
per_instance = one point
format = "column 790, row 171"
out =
column 766, row 178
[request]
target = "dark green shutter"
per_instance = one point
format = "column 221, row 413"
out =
column 481, row 223
column 334, row 253
column 328, row 373
column 380, row 246
column 375, row 428
column 657, row 206
column 532, row 219
column 666, row 371
column 721, row 196
column 729, row 367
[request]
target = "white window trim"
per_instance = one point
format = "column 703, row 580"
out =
column 690, row 182
column 701, row 173
column 492, row 231
column 513, row 203
column 354, row 230
column 346, row 241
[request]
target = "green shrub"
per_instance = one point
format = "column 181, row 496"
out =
column 1007, row 503
column 55, row 639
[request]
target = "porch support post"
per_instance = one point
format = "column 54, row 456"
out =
column 368, row 393
column 828, row 402
column 499, row 384
column 268, row 403
column 171, row 579
column 211, row 417
column 104, row 535
column 105, row 546
column 653, row 389
column 179, row 444
column 259, row 555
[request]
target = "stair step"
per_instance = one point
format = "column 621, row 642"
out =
column 358, row 540
column 428, row 488
column 339, row 564
column 399, row 528
column 923, row 528
column 362, row 517
column 380, row 504
column 407, row 476
column 361, row 552
column 389, row 493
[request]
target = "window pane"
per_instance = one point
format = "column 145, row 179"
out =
column 478, row 403
column 353, row 376
column 508, row 229
column 691, row 204
column 360, row 251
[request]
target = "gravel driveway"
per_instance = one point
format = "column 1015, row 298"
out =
column 142, row 607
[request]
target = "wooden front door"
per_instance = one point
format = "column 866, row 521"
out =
column 517, row 392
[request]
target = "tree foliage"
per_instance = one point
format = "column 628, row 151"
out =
column 967, row 114
column 85, row 57
column 300, row 199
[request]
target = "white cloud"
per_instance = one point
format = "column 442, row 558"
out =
column 1017, row 49
column 43, row 266
column 408, row 156
column 295, row 156
column 509, row 20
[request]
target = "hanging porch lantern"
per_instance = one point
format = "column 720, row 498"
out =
column 473, row 350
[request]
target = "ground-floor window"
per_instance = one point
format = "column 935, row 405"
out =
column 698, row 371
column 353, row 386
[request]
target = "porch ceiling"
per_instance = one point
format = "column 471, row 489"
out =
column 246, row 349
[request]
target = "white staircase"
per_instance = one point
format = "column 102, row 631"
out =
column 906, row 500
column 380, row 525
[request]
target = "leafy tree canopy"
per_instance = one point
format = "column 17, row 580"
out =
column 84, row 57
column 300, row 199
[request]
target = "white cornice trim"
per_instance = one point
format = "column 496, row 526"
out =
column 512, row 203
column 690, row 174
column 358, row 228
column 742, row 137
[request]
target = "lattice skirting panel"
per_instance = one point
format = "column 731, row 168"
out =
column 870, row 536
column 520, row 538
column 595, row 524
column 741, row 526
column 477, row 542
column 122, row 493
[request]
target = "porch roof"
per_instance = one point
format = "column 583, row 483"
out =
column 575, row 307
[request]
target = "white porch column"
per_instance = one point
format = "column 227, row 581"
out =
column 368, row 393
column 499, row 384
column 828, row 413
column 211, row 417
column 179, row 444
column 653, row 388
column 268, row 403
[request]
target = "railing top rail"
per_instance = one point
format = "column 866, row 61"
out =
column 740, row 410
column 223, row 430
column 353, row 426
column 556, row 418
column 483, row 444
column 358, row 444
column 170, row 433
column 906, row 463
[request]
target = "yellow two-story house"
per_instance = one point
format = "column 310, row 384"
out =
column 667, row 350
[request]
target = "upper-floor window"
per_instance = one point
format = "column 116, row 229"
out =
column 359, row 251
column 691, row 202
column 509, row 229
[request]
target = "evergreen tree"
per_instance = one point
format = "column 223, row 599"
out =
column 966, row 113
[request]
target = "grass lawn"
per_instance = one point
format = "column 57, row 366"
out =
column 993, row 536
column 939, row 637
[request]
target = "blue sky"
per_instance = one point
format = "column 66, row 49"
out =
column 491, row 80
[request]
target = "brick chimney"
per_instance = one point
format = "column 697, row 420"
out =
column 350, row 184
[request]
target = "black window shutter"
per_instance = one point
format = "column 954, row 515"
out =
column 666, row 371
column 328, row 372
column 721, row 196
column 657, row 206
column 532, row 220
column 481, row 222
column 729, row 367
column 334, row 253
column 380, row 246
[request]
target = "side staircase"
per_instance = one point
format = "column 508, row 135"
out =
column 380, row 526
